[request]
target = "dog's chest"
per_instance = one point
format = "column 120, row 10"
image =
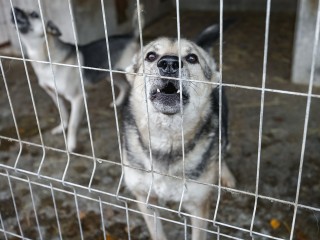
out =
column 167, row 179
column 47, row 76
column 65, row 80
column 165, row 186
column 169, row 163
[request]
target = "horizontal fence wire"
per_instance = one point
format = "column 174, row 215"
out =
column 77, row 191
column 271, row 90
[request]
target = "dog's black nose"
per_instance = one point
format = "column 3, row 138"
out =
column 169, row 65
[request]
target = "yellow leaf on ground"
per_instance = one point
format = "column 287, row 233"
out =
column 109, row 237
column 274, row 223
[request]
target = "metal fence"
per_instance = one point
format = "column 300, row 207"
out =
column 36, row 181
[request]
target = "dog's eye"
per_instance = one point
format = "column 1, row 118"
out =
column 34, row 15
column 192, row 58
column 151, row 56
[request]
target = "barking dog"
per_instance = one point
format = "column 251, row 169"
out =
column 200, row 123
column 67, row 79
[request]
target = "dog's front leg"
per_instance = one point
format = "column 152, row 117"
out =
column 199, row 209
column 63, row 110
column 154, row 225
column 77, row 109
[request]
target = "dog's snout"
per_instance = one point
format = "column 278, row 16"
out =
column 20, row 15
column 169, row 65
column 17, row 12
column 16, row 9
column 22, row 19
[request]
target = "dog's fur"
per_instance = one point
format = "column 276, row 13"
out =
column 200, row 125
column 67, row 79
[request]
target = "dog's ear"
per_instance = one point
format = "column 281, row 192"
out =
column 53, row 29
column 211, row 34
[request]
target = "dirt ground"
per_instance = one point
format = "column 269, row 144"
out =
column 283, row 124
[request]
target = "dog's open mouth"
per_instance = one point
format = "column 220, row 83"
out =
column 166, row 98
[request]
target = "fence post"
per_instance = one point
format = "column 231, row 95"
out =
column 303, row 44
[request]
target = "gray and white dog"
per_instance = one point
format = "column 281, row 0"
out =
column 67, row 79
column 200, row 123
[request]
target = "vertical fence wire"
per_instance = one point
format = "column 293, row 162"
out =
column 30, row 88
column 84, row 98
column 128, row 220
column 307, row 115
column 34, row 208
column 56, row 211
column 55, row 86
column 220, row 117
column 111, row 79
column 145, row 79
column 113, row 92
column 14, row 204
column 184, row 186
column 78, row 213
column 12, row 110
column 264, row 77
column 185, row 228
column 103, row 228
column 155, row 225
column 115, row 114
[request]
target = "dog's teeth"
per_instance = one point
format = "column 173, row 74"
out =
column 178, row 91
column 158, row 90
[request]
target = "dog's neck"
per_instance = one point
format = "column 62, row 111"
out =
column 37, row 48
column 166, row 130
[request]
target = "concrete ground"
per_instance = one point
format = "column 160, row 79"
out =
column 283, row 124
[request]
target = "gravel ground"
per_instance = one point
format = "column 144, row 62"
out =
column 283, row 123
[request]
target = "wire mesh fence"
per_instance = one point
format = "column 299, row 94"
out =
column 50, row 192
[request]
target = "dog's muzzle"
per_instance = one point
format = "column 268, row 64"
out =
column 165, row 93
column 23, row 23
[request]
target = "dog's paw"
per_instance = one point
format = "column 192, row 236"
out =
column 58, row 129
column 72, row 146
